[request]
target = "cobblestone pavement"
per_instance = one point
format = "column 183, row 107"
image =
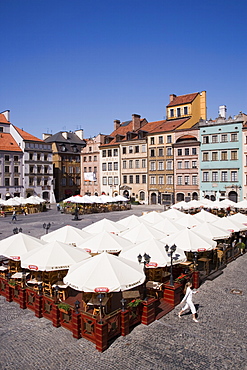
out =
column 218, row 341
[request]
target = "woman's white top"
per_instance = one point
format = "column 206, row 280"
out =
column 188, row 294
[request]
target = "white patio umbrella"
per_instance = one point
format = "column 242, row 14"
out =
column 70, row 199
column 104, row 225
column 53, row 256
column 211, row 231
column 242, row 204
column 106, row 198
column 228, row 203
column 205, row 216
column 168, row 226
column 193, row 204
column 132, row 221
column 218, row 205
column 104, row 241
column 188, row 240
column 86, row 199
column 15, row 246
column 226, row 224
column 152, row 217
column 105, row 273
column 188, row 221
column 3, row 202
column 179, row 205
column 41, row 200
column 142, row 232
column 120, row 198
column 156, row 250
column 239, row 217
column 207, row 203
column 172, row 213
column 67, row 234
column 30, row 200
column 95, row 199
column 12, row 202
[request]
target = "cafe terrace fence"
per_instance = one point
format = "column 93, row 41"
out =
column 81, row 324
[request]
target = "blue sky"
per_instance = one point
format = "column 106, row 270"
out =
column 82, row 64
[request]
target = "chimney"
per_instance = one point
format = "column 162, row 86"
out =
column 65, row 134
column 80, row 134
column 222, row 111
column 136, row 122
column 45, row 136
column 116, row 124
column 172, row 97
column 6, row 113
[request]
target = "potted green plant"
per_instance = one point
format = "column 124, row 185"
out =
column 181, row 278
column 12, row 283
column 64, row 307
column 134, row 303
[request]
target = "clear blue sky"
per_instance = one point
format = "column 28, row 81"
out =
column 84, row 63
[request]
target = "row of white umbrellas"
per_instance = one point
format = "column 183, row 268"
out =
column 207, row 203
column 90, row 199
column 20, row 201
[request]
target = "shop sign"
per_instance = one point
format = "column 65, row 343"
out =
column 152, row 264
column 15, row 258
column 101, row 289
column 33, row 267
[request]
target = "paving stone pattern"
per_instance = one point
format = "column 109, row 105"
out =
column 217, row 342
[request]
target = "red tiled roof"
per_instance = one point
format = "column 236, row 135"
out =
column 151, row 127
column 122, row 131
column 163, row 126
column 7, row 143
column 182, row 99
column 26, row 136
column 3, row 118
column 187, row 137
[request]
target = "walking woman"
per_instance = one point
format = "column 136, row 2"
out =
column 188, row 299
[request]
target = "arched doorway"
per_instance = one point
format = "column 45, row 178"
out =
column 212, row 197
column 180, row 197
column 126, row 194
column 45, row 195
column 153, row 198
column 194, row 196
column 233, row 196
column 142, row 195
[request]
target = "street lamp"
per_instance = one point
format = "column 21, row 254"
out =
column 77, row 306
column 40, row 288
column 100, row 296
column 123, row 301
column 16, row 230
column 170, row 253
column 56, row 293
column 76, row 216
column 46, row 227
column 146, row 259
column 23, row 278
column 195, row 260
